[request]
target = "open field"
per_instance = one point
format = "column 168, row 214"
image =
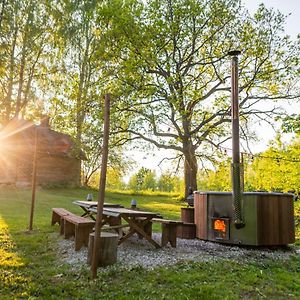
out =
column 30, row 267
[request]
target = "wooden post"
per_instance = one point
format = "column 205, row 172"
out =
column 102, row 183
column 34, row 170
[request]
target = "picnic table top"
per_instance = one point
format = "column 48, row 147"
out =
column 89, row 204
column 121, row 211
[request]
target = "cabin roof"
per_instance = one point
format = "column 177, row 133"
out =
column 20, row 134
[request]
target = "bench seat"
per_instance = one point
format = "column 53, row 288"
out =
column 168, row 231
column 78, row 227
column 58, row 215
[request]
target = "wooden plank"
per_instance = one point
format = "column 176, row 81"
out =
column 105, row 212
column 128, row 212
column 275, row 228
column 88, row 204
column 107, row 227
column 286, row 221
column 264, row 217
column 188, row 214
column 165, row 221
column 275, row 220
column 57, row 214
column 85, row 203
column 200, row 213
column 117, row 212
column 78, row 220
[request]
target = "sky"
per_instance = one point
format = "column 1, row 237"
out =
column 292, row 28
column 287, row 7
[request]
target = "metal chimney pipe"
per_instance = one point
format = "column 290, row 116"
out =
column 235, row 166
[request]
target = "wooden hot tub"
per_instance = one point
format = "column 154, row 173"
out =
column 268, row 218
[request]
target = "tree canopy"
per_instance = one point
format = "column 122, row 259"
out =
column 175, row 70
column 164, row 61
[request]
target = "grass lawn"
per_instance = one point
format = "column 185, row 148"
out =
column 31, row 269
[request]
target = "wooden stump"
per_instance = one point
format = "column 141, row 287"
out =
column 187, row 215
column 108, row 249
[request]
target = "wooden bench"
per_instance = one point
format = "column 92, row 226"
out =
column 78, row 227
column 168, row 231
column 58, row 215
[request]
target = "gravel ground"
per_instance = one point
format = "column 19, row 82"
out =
column 135, row 252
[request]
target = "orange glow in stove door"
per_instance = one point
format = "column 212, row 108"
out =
column 220, row 225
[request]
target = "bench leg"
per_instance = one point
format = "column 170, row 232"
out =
column 173, row 235
column 69, row 229
column 169, row 234
column 55, row 218
column 82, row 235
column 62, row 225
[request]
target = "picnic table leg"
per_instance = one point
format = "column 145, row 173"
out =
column 87, row 213
column 113, row 221
column 147, row 227
column 131, row 232
column 126, row 236
column 140, row 230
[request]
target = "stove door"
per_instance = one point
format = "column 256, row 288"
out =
column 220, row 229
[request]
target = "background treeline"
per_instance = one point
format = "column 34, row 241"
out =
column 276, row 170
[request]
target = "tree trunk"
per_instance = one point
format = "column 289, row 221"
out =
column 190, row 170
column 80, row 113
column 23, row 61
column 8, row 100
column 21, row 82
column 190, row 160
column 79, row 123
column 81, row 97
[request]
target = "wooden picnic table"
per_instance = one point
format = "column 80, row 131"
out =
column 136, row 220
column 86, row 205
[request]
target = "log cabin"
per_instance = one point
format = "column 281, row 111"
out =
column 58, row 162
